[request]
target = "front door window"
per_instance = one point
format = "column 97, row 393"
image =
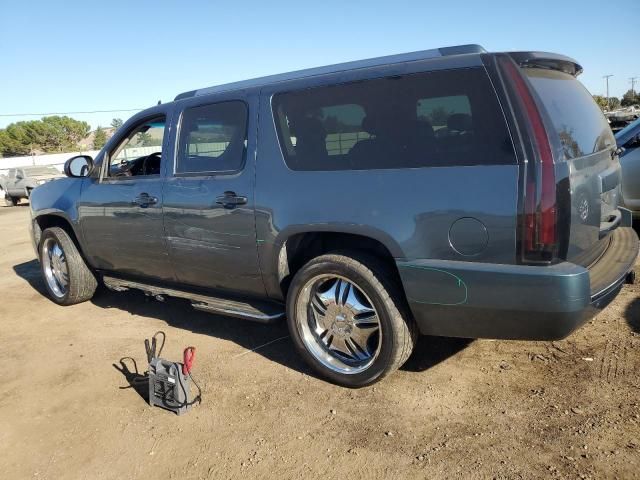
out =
column 140, row 153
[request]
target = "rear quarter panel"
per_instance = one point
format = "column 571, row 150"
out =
column 410, row 211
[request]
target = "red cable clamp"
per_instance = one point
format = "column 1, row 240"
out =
column 188, row 356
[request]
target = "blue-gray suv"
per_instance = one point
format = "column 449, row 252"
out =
column 445, row 192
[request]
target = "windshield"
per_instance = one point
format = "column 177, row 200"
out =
column 41, row 171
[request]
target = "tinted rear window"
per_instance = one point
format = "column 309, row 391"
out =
column 421, row 120
column 577, row 119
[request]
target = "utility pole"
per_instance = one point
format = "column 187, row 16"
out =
column 633, row 84
column 606, row 79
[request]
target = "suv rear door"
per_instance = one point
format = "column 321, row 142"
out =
column 570, row 199
column 588, row 147
column 209, row 194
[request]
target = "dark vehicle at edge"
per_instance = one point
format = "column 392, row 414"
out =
column 628, row 141
column 448, row 192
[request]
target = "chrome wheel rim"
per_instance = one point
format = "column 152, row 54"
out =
column 54, row 263
column 338, row 324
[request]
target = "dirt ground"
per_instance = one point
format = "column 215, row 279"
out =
column 458, row 409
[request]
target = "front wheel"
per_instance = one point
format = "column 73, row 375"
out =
column 66, row 276
column 348, row 319
column 10, row 201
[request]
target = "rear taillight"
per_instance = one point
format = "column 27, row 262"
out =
column 540, row 242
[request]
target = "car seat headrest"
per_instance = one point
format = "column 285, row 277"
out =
column 460, row 122
column 308, row 128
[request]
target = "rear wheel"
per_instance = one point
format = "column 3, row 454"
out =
column 348, row 319
column 66, row 276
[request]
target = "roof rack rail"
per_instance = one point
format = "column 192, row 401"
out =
column 370, row 62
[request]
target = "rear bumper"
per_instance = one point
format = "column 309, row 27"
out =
column 479, row 300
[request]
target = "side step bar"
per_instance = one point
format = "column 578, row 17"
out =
column 255, row 310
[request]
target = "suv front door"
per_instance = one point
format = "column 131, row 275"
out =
column 209, row 195
column 120, row 210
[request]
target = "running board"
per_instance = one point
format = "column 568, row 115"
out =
column 257, row 311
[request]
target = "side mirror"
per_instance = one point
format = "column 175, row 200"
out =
column 19, row 176
column 78, row 166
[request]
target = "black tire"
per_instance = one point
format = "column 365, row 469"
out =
column 10, row 201
column 380, row 284
column 82, row 282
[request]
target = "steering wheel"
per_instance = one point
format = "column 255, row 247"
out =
column 146, row 161
column 124, row 170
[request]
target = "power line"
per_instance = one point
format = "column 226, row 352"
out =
column 67, row 113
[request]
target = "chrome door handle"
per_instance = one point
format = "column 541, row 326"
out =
column 230, row 200
column 144, row 200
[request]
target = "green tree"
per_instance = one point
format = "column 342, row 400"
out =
column 144, row 139
column 614, row 102
column 14, row 141
column 50, row 134
column 116, row 123
column 630, row 98
column 59, row 134
column 601, row 101
column 99, row 138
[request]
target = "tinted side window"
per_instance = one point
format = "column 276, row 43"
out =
column 420, row 120
column 577, row 119
column 213, row 138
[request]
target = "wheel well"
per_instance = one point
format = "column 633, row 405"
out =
column 302, row 247
column 48, row 221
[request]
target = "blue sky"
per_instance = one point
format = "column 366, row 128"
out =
column 79, row 56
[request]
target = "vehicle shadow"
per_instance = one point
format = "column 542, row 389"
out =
column 632, row 315
column 30, row 271
column 270, row 341
column 430, row 351
column 265, row 340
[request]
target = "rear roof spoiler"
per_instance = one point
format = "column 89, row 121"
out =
column 551, row 61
